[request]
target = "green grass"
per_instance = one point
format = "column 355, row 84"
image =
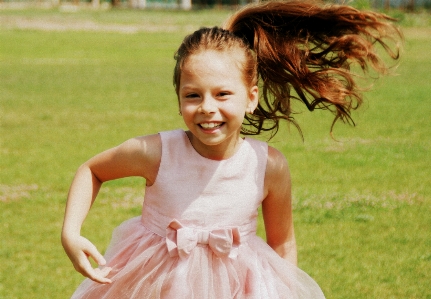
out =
column 362, row 203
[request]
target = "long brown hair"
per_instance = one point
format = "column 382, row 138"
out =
column 300, row 50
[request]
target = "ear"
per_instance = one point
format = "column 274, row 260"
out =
column 253, row 99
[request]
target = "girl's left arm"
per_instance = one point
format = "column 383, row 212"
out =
column 277, row 207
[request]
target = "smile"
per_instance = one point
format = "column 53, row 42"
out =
column 210, row 125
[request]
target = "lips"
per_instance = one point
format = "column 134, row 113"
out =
column 211, row 125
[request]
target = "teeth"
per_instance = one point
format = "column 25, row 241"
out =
column 210, row 125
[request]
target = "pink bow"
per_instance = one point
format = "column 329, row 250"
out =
column 182, row 240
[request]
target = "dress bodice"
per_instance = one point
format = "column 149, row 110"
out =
column 205, row 193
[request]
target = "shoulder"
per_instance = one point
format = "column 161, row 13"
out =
column 143, row 154
column 139, row 156
column 277, row 172
column 276, row 162
column 145, row 146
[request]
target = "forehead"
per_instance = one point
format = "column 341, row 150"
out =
column 224, row 67
column 228, row 61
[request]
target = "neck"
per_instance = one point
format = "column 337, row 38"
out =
column 216, row 152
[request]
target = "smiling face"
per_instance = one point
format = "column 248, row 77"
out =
column 213, row 100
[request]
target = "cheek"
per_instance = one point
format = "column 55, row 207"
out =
column 237, row 107
column 183, row 105
column 187, row 110
column 235, row 111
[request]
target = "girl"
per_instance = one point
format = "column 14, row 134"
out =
column 197, row 234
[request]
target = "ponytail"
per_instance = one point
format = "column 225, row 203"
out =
column 304, row 51
column 299, row 50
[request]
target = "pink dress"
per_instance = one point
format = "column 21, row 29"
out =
column 197, row 234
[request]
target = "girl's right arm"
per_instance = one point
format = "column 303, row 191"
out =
column 135, row 157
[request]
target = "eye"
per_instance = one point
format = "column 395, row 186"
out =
column 223, row 94
column 192, row 95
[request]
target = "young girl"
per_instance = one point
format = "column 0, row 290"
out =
column 197, row 234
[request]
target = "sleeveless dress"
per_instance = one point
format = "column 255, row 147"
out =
column 196, row 237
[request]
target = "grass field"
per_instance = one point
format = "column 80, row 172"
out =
column 74, row 84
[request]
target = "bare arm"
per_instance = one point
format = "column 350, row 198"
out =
column 277, row 207
column 135, row 157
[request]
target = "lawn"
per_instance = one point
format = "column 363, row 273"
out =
column 75, row 83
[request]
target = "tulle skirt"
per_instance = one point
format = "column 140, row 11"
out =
column 142, row 268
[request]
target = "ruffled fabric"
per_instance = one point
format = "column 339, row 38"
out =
column 143, row 268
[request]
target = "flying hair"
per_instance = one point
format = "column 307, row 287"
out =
column 300, row 51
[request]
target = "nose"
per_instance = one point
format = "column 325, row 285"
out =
column 208, row 105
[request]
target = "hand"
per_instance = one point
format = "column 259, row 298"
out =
column 79, row 250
